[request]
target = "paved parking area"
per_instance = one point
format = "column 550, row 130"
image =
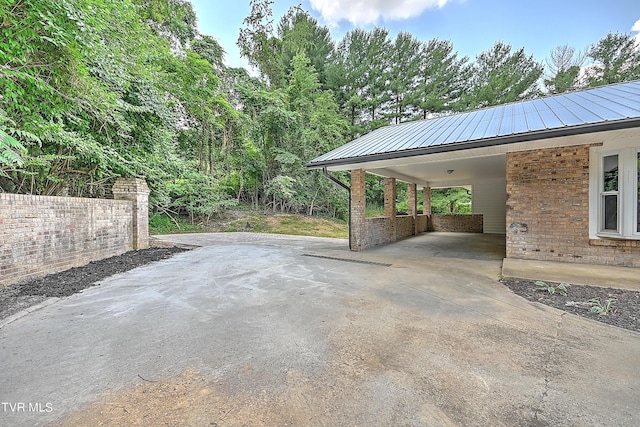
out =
column 277, row 330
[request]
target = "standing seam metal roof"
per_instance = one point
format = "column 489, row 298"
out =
column 609, row 107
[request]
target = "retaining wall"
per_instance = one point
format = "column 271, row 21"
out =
column 40, row 235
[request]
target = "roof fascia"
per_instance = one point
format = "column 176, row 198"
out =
column 488, row 142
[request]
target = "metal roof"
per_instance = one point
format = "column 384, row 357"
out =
column 604, row 108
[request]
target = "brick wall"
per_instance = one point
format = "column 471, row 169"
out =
column 44, row 234
column 548, row 210
column 422, row 223
column 457, row 223
column 381, row 231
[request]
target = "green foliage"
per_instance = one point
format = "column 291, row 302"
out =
column 563, row 69
column 443, row 79
column 91, row 90
column 173, row 19
column 560, row 288
column 258, row 44
column 405, row 61
column 448, row 201
column 201, row 196
column 168, row 224
column 500, row 76
column 616, row 58
column 602, row 308
column 300, row 33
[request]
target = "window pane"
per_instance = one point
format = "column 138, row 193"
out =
column 610, row 167
column 611, row 212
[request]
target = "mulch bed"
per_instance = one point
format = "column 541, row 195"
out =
column 625, row 310
column 19, row 296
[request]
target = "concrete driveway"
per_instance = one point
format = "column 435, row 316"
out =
column 275, row 330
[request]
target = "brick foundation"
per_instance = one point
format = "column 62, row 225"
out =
column 548, row 210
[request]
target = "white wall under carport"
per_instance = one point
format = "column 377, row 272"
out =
column 489, row 198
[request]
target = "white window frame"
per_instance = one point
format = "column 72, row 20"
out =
column 627, row 191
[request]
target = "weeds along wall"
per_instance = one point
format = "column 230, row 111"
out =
column 40, row 235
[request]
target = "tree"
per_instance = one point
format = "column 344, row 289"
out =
column 209, row 48
column 500, row 76
column 346, row 76
column 174, row 20
column 453, row 200
column 616, row 58
column 563, row 69
column 377, row 66
column 443, row 79
column 358, row 74
column 258, row 44
column 300, row 32
column 11, row 150
column 405, row 68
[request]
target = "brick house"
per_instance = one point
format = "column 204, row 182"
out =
column 558, row 176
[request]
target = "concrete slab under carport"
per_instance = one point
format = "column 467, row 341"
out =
column 577, row 274
column 274, row 338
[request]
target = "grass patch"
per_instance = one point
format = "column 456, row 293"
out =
column 296, row 225
column 163, row 224
column 248, row 219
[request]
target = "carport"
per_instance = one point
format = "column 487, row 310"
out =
column 537, row 171
column 482, row 171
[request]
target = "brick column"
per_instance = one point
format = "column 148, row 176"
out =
column 136, row 191
column 412, row 204
column 426, row 203
column 358, row 209
column 390, row 195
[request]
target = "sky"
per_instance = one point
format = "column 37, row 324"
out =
column 472, row 25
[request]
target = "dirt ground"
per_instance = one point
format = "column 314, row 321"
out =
column 624, row 312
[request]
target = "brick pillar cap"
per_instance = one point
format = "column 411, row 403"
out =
column 131, row 185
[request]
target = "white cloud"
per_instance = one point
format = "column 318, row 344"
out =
column 636, row 28
column 362, row 12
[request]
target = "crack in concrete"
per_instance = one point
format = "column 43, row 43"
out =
column 547, row 370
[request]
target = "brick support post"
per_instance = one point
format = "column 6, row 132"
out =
column 426, row 203
column 412, row 204
column 390, row 194
column 358, row 209
column 136, row 191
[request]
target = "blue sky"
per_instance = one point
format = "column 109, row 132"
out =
column 472, row 25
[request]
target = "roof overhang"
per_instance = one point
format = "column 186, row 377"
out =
column 471, row 164
column 587, row 133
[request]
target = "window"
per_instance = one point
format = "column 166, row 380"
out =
column 615, row 209
column 610, row 193
column 638, row 194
